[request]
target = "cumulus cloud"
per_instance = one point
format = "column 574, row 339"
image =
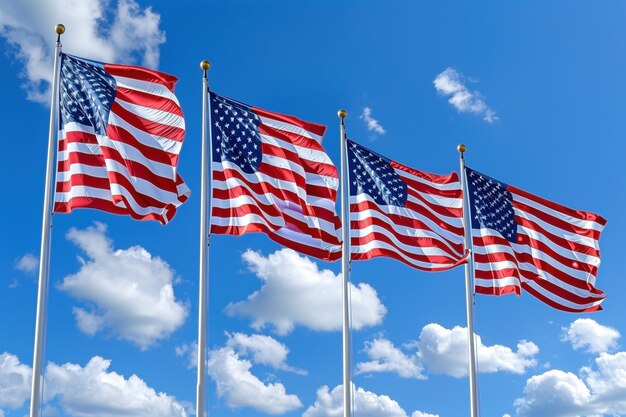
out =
column 15, row 382
column 296, row 292
column 96, row 29
column 388, row 358
column 590, row 335
column 444, row 351
column 130, row 290
column 28, row 264
column 94, row 391
column 240, row 388
column 365, row 404
column 264, row 350
column 89, row 391
column 452, row 83
column 372, row 124
column 599, row 390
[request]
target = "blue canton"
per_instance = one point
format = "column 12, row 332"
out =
column 235, row 131
column 491, row 205
column 373, row 175
column 87, row 93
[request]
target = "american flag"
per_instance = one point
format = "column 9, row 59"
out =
column 271, row 175
column 121, row 130
column 522, row 241
column 402, row 213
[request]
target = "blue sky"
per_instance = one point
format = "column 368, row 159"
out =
column 535, row 90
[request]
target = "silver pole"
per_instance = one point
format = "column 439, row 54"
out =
column 468, row 291
column 345, row 270
column 44, row 253
column 204, row 243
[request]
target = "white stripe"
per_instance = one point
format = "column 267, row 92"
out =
column 562, row 301
column 450, row 219
column 425, row 250
column 497, row 283
column 583, row 224
column 152, row 114
column 382, row 245
column 82, row 191
column 307, row 154
column 146, row 87
column 569, row 254
column 147, row 139
column 410, row 214
column 81, row 169
column 555, row 231
column 288, row 127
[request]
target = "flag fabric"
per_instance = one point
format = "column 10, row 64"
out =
column 272, row 175
column 402, row 213
column 522, row 241
column 121, row 130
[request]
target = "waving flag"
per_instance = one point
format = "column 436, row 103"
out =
column 402, row 213
column 271, row 175
column 521, row 241
column 121, row 130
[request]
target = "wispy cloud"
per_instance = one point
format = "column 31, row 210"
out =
column 452, row 83
column 96, row 29
column 28, row 264
column 372, row 124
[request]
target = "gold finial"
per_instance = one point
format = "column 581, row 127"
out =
column 205, row 65
column 342, row 114
column 59, row 29
column 461, row 148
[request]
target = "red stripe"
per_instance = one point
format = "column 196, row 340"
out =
column 550, row 237
column 313, row 167
column 540, row 246
column 441, row 210
column 315, row 128
column 556, row 222
column 256, row 227
column 291, row 137
column 141, row 98
column 148, row 126
column 142, row 74
column 391, row 254
column 508, row 289
column 558, row 306
column 421, row 242
column 432, row 178
column 109, row 207
column 154, row 154
column 409, row 219
column 578, row 214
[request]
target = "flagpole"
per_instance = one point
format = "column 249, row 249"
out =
column 44, row 257
column 345, row 270
column 204, row 243
column 468, row 291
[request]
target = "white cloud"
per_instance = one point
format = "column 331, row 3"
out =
column 15, row 382
column 92, row 391
column 296, row 292
column 372, row 124
column 444, row 351
column 600, row 391
column 96, row 29
column 365, row 404
column 422, row 414
column 387, row 358
column 240, row 388
column 131, row 290
column 451, row 83
column 89, row 391
column 28, row 263
column 264, row 350
column 588, row 334
column 189, row 352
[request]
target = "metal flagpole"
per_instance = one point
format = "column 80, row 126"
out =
column 204, row 242
column 345, row 270
column 468, row 291
column 44, row 258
